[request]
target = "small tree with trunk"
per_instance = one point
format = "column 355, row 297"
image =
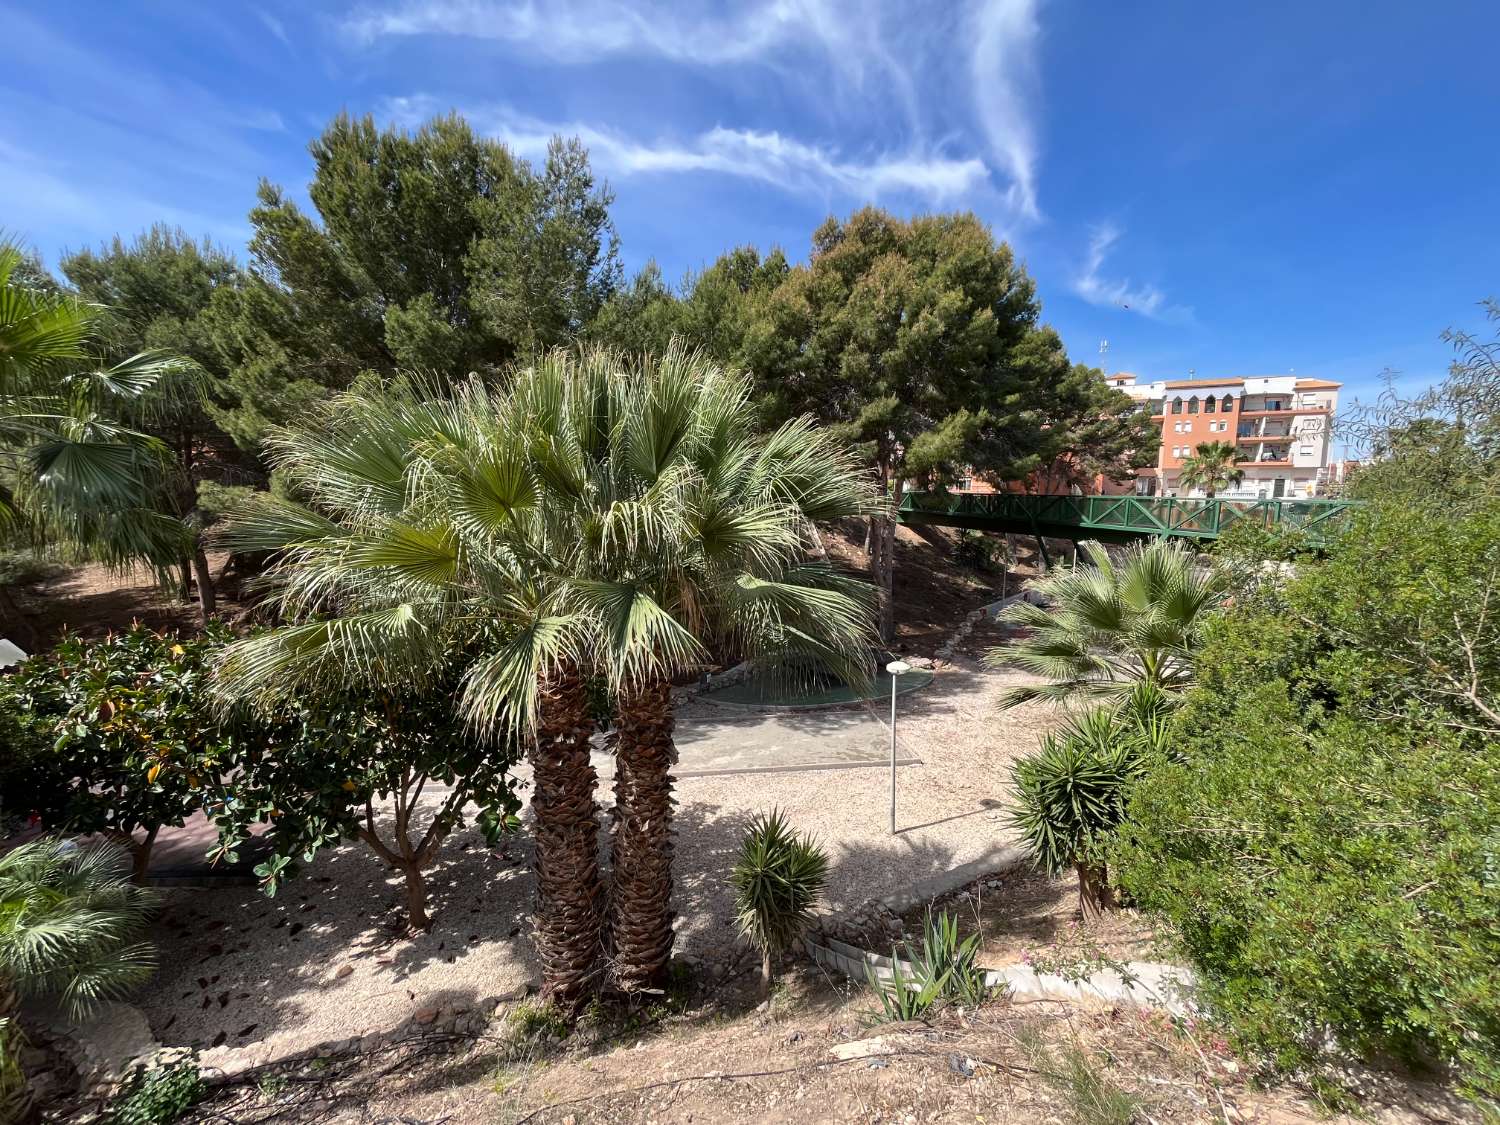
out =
column 118, row 735
column 1212, row 467
column 356, row 766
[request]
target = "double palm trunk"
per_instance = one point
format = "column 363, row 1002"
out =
column 569, row 890
column 641, row 889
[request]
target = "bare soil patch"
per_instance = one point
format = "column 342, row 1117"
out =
column 94, row 599
column 1023, row 913
column 721, row 1059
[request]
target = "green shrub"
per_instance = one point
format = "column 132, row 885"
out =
column 25, row 568
column 1326, row 845
column 317, row 770
column 776, row 881
column 121, row 734
column 158, row 1096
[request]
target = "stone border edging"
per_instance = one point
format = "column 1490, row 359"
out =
column 1153, row 983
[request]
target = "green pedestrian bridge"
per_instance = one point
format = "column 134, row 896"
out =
column 1118, row 519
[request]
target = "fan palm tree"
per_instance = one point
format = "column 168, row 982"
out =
column 598, row 518
column 74, row 462
column 1109, row 627
column 1211, row 467
column 69, row 919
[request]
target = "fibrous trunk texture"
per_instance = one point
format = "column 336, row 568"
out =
column 1095, row 895
column 569, row 914
column 641, row 892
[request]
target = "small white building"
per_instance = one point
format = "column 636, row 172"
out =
column 1280, row 425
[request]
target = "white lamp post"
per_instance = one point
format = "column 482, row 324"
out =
column 897, row 668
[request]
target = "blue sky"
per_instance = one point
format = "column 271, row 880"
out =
column 1231, row 189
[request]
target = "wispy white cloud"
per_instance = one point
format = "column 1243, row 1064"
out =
column 273, row 25
column 766, row 156
column 870, row 69
column 1092, row 286
column 1003, row 66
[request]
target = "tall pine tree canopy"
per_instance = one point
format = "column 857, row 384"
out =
column 432, row 250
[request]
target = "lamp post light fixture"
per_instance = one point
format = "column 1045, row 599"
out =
column 897, row 669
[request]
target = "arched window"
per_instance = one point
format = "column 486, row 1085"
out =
column 1193, row 405
column 1177, row 405
column 1228, row 404
column 1208, row 405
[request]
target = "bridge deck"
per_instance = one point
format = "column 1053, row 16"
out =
column 1118, row 518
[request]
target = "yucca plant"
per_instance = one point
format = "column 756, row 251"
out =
column 1107, row 627
column 777, row 881
column 943, row 968
column 1072, row 793
column 70, row 920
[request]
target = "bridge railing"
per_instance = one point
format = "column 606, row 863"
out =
column 1144, row 515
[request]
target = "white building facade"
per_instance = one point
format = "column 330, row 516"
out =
column 1279, row 424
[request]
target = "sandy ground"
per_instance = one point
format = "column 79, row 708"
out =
column 250, row 980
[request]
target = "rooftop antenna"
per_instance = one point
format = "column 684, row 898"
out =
column 1192, row 371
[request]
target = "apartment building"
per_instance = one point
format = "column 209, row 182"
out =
column 1279, row 423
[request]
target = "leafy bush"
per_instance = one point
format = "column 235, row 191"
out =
column 120, row 734
column 159, row 1096
column 777, row 881
column 1327, row 844
column 24, row 568
column 1071, row 795
column 315, row 772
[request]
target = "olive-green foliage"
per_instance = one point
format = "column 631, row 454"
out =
column 159, row 1096
column 317, row 767
column 121, row 732
column 777, row 880
column 1327, row 845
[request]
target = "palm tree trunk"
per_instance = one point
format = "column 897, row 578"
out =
column 569, row 913
column 1095, row 895
column 140, row 855
column 641, row 893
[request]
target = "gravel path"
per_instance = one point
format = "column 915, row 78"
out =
column 250, row 979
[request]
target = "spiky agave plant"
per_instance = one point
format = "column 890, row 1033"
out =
column 1109, row 626
column 70, row 920
column 777, row 881
column 1072, row 793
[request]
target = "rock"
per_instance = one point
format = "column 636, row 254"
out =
column 343, row 971
column 425, row 1015
column 862, row 1049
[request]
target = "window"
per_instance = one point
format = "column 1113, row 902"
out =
column 1228, row 404
column 1208, row 405
column 965, row 484
column 1193, row 405
column 1305, row 451
column 1177, row 405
